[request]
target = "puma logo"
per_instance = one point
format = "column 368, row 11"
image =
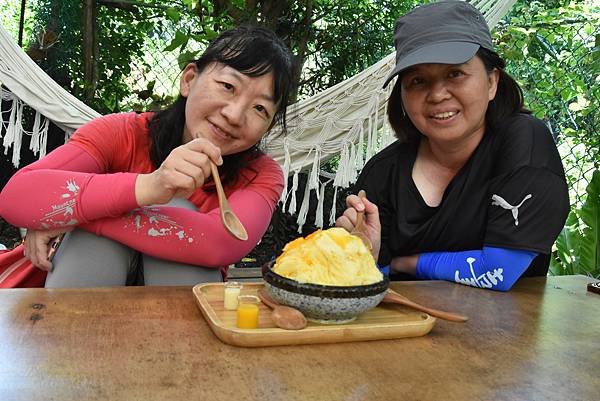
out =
column 499, row 201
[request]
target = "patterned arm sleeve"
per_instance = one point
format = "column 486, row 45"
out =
column 65, row 188
column 492, row 268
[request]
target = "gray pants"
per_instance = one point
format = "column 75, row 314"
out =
column 87, row 260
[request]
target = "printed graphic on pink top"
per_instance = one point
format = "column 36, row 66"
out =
column 156, row 224
column 62, row 213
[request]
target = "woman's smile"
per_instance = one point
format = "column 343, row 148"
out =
column 446, row 115
column 221, row 133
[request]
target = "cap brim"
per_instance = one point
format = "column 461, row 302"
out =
column 439, row 53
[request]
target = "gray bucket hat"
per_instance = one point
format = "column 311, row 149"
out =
column 448, row 32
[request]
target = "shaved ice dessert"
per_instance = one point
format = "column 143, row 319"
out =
column 328, row 257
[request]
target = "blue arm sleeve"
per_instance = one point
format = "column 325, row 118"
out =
column 494, row 268
column 385, row 270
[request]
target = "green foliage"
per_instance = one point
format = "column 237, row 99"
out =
column 552, row 49
column 180, row 40
column 173, row 14
column 129, row 37
column 554, row 54
column 10, row 11
column 332, row 40
column 347, row 37
column 240, row 4
column 578, row 245
column 121, row 40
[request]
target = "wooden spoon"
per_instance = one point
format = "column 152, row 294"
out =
column 393, row 297
column 359, row 227
column 230, row 220
column 285, row 317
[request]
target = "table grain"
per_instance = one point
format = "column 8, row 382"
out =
column 540, row 341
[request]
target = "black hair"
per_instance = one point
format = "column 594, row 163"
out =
column 508, row 100
column 253, row 51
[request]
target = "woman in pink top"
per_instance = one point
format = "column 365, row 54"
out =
column 134, row 190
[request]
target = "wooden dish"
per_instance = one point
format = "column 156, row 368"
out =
column 380, row 323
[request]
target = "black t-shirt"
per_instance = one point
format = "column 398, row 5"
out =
column 511, row 193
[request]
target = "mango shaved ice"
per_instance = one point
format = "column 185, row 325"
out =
column 328, row 257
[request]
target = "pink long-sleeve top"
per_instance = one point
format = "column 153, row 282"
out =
column 90, row 183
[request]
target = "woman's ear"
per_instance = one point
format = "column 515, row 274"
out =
column 493, row 78
column 190, row 72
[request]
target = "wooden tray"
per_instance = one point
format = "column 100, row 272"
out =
column 382, row 322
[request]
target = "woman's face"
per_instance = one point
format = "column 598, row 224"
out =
column 230, row 109
column 447, row 102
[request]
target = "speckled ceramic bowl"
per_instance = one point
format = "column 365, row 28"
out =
column 324, row 303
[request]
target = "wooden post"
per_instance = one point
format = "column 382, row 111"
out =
column 21, row 22
column 90, row 49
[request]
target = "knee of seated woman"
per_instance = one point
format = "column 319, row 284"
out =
column 180, row 202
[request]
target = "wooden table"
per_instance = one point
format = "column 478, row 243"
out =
column 540, row 341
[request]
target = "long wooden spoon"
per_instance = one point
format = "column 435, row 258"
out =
column 230, row 220
column 393, row 297
column 359, row 227
column 284, row 317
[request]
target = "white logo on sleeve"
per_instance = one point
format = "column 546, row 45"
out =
column 499, row 201
column 61, row 213
column 485, row 280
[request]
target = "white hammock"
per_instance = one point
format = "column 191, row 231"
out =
column 347, row 119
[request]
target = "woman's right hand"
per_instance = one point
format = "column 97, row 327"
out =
column 371, row 220
column 183, row 171
column 37, row 246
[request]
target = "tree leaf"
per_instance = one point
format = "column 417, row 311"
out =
column 186, row 57
column 188, row 3
column 589, row 248
column 240, row 4
column 173, row 14
column 567, row 245
column 180, row 40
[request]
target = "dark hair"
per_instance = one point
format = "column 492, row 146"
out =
column 508, row 100
column 253, row 51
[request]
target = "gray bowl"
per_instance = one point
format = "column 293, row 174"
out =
column 324, row 303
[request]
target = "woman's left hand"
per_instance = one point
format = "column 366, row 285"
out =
column 37, row 246
column 404, row 264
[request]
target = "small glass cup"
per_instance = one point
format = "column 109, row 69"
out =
column 231, row 294
column 247, row 312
